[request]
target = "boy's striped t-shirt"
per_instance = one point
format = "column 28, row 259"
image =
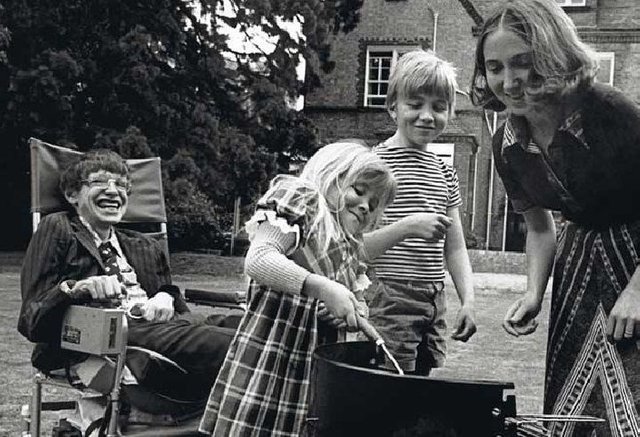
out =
column 425, row 184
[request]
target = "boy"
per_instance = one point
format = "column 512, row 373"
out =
column 407, row 302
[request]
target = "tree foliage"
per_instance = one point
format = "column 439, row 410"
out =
column 159, row 77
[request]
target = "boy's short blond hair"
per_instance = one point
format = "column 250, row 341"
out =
column 422, row 72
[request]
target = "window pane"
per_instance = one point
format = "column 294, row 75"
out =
column 604, row 72
column 572, row 2
column 375, row 101
column 606, row 67
column 381, row 54
column 381, row 63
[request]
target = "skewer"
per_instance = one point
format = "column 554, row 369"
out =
column 375, row 336
column 527, row 418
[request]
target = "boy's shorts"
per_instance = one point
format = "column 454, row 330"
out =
column 410, row 317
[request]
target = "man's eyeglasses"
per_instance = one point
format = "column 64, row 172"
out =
column 121, row 184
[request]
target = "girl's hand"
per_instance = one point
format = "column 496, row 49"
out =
column 427, row 225
column 338, row 300
column 341, row 303
column 520, row 318
column 624, row 320
column 328, row 318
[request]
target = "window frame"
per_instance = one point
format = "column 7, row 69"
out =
column 444, row 151
column 395, row 50
column 608, row 56
column 571, row 3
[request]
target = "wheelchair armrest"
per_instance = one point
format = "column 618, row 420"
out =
column 215, row 298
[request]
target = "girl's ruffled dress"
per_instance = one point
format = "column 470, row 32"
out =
column 263, row 386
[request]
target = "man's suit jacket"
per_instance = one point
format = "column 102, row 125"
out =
column 63, row 248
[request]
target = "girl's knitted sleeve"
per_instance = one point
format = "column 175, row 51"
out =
column 267, row 264
column 290, row 203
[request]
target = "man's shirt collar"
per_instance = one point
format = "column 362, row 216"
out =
column 96, row 238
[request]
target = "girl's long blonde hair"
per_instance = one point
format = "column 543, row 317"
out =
column 338, row 166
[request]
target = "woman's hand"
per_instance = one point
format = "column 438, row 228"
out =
column 520, row 318
column 624, row 320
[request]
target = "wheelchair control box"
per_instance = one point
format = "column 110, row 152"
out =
column 93, row 330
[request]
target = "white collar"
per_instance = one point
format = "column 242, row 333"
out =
column 113, row 239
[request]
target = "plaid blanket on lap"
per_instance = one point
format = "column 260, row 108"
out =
column 262, row 388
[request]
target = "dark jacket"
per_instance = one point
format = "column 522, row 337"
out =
column 63, row 248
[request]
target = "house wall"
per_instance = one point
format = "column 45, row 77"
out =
column 338, row 110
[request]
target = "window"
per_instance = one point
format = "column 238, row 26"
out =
column 570, row 3
column 444, row 151
column 380, row 61
column 605, row 73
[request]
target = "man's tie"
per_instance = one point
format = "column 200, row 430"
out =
column 110, row 259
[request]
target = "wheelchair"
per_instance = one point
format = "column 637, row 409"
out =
column 159, row 414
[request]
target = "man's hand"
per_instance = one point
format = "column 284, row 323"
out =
column 159, row 308
column 99, row 287
column 427, row 225
column 465, row 324
column 520, row 318
column 624, row 320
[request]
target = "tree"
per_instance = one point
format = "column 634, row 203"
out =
column 158, row 77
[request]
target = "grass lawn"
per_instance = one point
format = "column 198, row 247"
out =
column 490, row 354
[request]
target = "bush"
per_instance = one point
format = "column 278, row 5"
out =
column 192, row 219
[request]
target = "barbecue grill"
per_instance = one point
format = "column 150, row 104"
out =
column 351, row 395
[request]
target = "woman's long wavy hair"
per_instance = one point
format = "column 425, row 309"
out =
column 336, row 167
column 561, row 61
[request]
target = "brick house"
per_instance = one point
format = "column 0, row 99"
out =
column 351, row 102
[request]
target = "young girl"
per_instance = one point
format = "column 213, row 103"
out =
column 306, row 250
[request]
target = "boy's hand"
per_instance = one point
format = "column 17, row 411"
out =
column 427, row 225
column 465, row 325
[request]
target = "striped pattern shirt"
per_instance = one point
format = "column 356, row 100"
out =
column 425, row 184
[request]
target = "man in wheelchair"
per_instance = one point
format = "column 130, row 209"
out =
column 80, row 257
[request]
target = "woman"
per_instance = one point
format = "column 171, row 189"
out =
column 569, row 145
